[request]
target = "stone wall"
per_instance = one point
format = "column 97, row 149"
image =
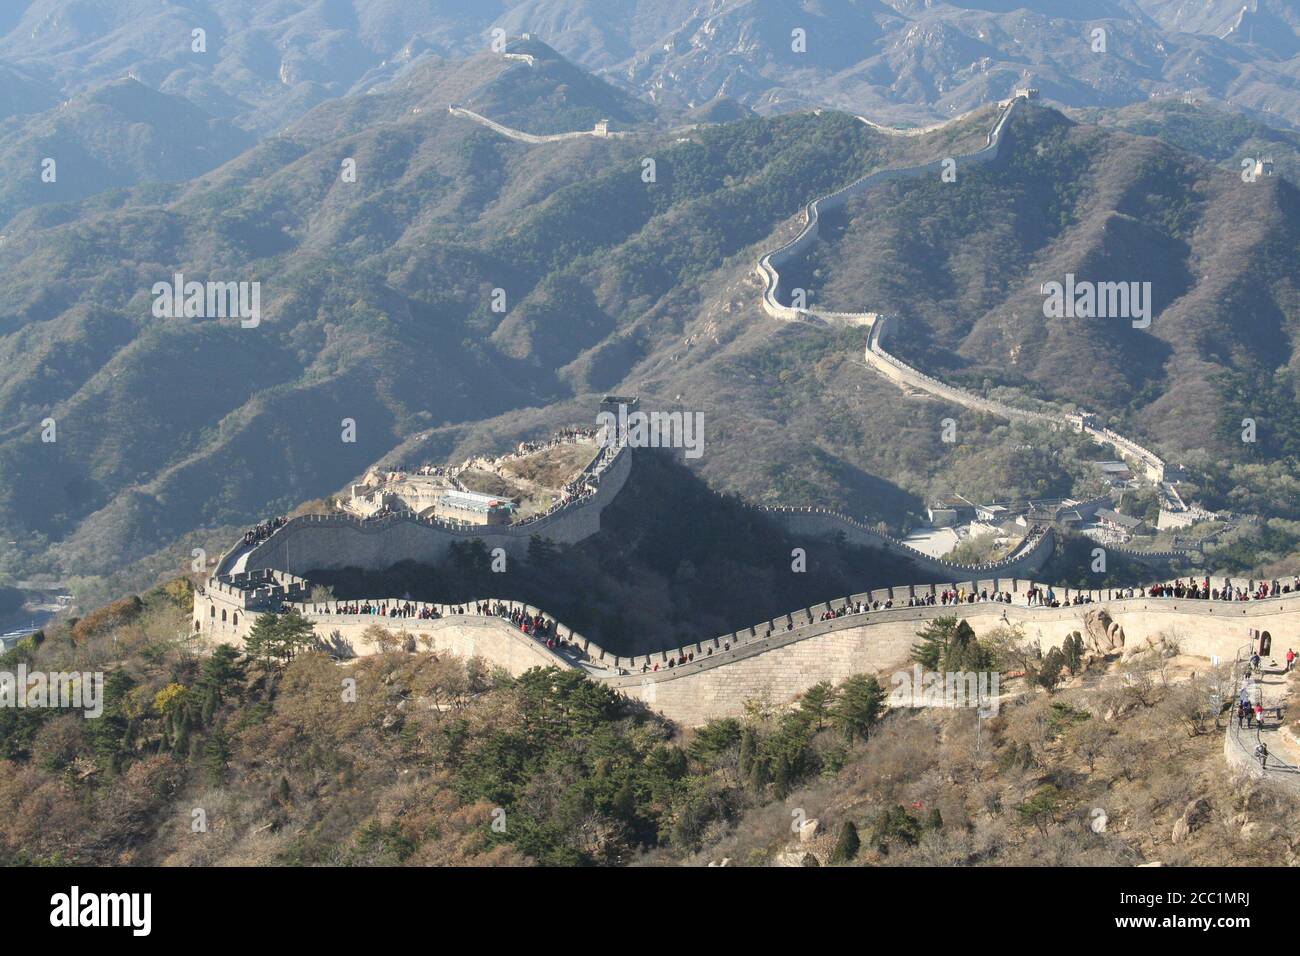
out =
column 465, row 635
column 332, row 542
column 769, row 266
column 899, row 372
column 520, row 136
column 819, row 522
column 789, row 662
column 781, row 658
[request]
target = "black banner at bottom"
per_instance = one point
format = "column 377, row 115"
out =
column 333, row 906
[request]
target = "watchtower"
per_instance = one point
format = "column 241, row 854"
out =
column 614, row 413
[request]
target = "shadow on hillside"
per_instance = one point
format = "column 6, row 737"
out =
column 673, row 562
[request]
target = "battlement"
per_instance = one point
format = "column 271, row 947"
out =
column 781, row 657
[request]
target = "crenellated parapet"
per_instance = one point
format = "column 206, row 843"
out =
column 1028, row 557
column 779, row 658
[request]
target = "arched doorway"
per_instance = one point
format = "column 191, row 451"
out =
column 1265, row 643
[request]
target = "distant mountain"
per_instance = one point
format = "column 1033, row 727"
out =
column 1223, row 137
column 120, row 134
column 21, row 94
column 965, row 274
column 376, row 299
column 377, row 306
column 548, row 94
column 910, row 61
column 898, row 60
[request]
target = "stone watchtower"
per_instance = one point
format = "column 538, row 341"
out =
column 620, row 407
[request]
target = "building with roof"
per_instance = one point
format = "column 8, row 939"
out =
column 1113, row 520
column 949, row 510
column 470, row 507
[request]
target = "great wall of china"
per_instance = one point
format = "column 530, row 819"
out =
column 601, row 131
column 768, row 270
column 777, row 659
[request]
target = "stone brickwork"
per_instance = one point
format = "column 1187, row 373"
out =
column 776, row 659
column 331, row 542
column 787, row 663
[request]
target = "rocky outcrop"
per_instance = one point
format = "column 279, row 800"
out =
column 1104, row 636
column 1195, row 815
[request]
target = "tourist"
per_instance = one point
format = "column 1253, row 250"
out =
column 1290, row 659
column 1261, row 754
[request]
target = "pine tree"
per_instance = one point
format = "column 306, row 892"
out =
column 934, row 639
column 815, row 704
column 221, row 670
column 296, row 634
column 861, row 702
column 846, row 844
column 745, row 761
column 263, row 640
column 216, row 754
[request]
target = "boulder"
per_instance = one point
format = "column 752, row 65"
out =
column 1104, row 635
column 1194, row 815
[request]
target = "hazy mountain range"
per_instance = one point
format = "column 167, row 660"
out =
column 376, row 293
column 267, row 63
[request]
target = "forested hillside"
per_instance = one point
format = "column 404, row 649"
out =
column 379, row 304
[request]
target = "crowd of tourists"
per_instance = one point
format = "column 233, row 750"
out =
column 264, row 530
column 535, row 626
column 1203, row 591
column 390, row 609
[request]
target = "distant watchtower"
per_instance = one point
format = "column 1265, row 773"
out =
column 1027, row 93
column 602, row 128
column 1264, row 167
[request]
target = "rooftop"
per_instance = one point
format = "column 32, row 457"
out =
column 1114, row 517
column 473, row 501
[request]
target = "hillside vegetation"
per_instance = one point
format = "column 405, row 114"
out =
column 426, row 759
